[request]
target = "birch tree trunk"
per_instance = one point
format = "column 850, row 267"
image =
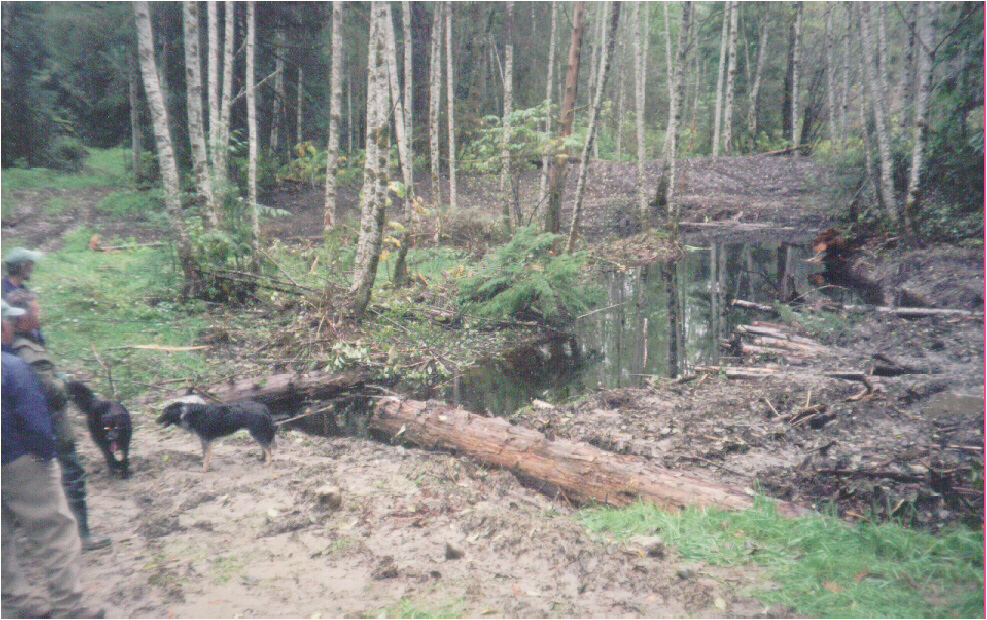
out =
column 166, row 154
column 505, row 147
column 553, row 210
column 375, row 174
column 752, row 97
column 724, row 33
column 220, row 168
column 666, row 185
column 926, row 58
column 796, row 61
column 277, row 109
column 845, row 91
column 640, row 77
column 727, row 134
column 136, row 141
column 196, row 132
column 434, row 105
column 830, row 82
column 298, row 106
column 252, row 134
column 404, row 148
column 543, row 187
column 886, row 194
column 450, row 108
column 335, row 111
column 212, row 80
column 401, row 276
column 607, row 45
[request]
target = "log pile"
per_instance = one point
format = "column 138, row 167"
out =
column 775, row 339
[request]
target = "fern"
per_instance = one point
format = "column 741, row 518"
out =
column 526, row 279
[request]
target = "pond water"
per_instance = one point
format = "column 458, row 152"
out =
column 658, row 320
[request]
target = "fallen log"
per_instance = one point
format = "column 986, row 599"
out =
column 915, row 312
column 580, row 472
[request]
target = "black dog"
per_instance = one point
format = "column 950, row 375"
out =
column 211, row 422
column 109, row 426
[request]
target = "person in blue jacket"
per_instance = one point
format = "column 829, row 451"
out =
column 32, row 496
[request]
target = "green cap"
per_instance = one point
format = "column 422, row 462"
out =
column 10, row 312
column 22, row 255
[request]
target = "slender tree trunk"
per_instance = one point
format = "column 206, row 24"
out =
column 375, row 179
column 752, row 98
column 911, row 80
column 298, row 106
column 277, row 108
column 196, row 133
column 830, row 82
column 252, row 134
column 553, row 210
column 886, row 194
column 401, row 276
column 434, row 106
column 212, row 81
column 543, row 187
column 608, row 45
column 220, row 169
column 640, row 77
column 865, row 108
column 335, row 111
column 926, row 62
column 796, row 61
column 666, row 185
column 727, row 134
column 724, row 34
column 505, row 146
column 136, row 141
column 451, row 108
column 166, row 154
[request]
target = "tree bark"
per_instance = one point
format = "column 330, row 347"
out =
column 920, row 136
column 608, row 45
column 252, row 135
column 796, row 60
column 727, row 132
column 299, row 138
column 335, row 111
column 666, row 184
column 166, row 154
column 450, row 108
column 434, row 105
column 401, row 276
column 553, row 210
column 277, row 107
column 545, row 161
column 375, row 173
column 580, row 472
column 220, row 166
column 196, row 131
column 212, row 82
column 640, row 77
column 752, row 98
column 876, row 88
column 505, row 147
column 136, row 138
column 717, row 112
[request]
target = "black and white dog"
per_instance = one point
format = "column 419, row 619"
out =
column 212, row 421
column 109, row 426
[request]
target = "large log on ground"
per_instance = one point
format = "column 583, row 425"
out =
column 579, row 471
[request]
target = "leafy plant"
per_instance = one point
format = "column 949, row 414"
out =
column 526, row 279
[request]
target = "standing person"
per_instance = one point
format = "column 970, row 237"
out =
column 32, row 495
column 28, row 348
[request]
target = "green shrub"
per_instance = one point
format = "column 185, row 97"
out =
column 526, row 279
column 66, row 154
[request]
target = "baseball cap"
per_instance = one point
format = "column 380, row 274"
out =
column 22, row 255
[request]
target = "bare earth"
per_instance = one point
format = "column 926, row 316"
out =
column 422, row 532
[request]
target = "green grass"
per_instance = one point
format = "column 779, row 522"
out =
column 406, row 608
column 112, row 301
column 824, row 567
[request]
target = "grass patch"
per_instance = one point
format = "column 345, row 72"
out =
column 110, row 301
column 406, row 608
column 824, row 567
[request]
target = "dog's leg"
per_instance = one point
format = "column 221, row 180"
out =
column 206, row 454
column 268, row 455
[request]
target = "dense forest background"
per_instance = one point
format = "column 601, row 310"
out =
column 893, row 91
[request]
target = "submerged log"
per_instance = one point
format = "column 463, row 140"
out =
column 580, row 472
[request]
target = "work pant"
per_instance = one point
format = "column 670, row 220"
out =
column 33, row 500
column 74, row 483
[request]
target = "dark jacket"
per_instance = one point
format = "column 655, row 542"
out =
column 35, row 355
column 26, row 424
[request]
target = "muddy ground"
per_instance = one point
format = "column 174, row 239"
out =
column 420, row 531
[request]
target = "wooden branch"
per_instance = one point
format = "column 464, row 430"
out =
column 754, row 306
column 580, row 472
column 914, row 312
